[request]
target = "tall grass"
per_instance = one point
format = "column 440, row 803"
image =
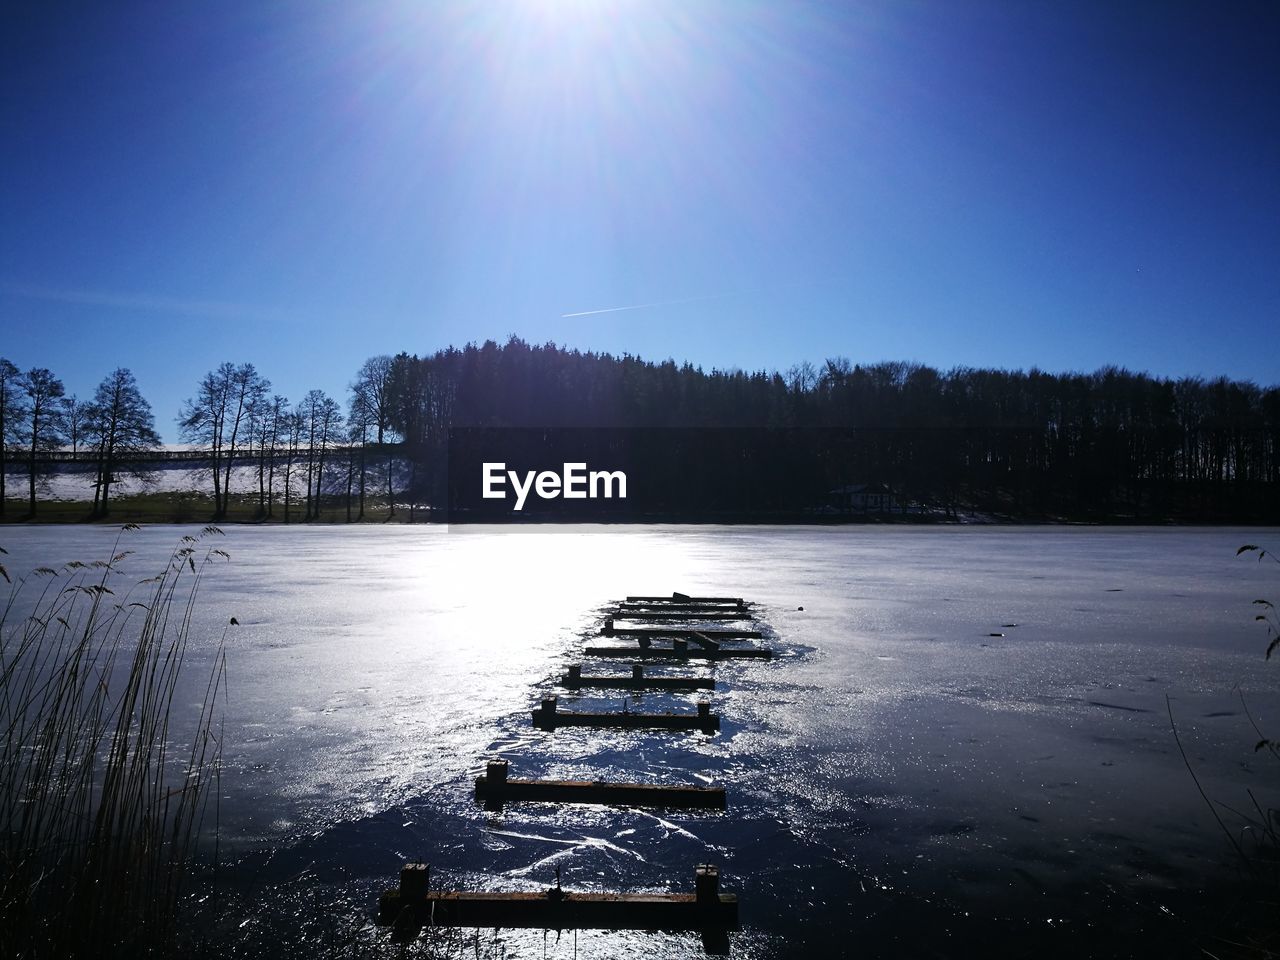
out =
column 100, row 811
column 1251, row 926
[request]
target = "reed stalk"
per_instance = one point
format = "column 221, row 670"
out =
column 102, row 810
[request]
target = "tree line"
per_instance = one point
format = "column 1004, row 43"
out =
column 235, row 415
column 1111, row 444
column 36, row 416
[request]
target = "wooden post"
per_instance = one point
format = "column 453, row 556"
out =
column 575, row 674
column 637, row 671
column 495, row 775
column 704, row 714
column 706, row 899
column 549, row 706
column 706, row 885
column 608, row 627
column 415, row 881
column 571, row 910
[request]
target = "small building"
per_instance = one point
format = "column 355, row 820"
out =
column 862, row 498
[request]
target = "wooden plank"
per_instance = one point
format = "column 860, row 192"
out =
column 609, row 630
column 647, row 615
column 548, row 717
column 571, row 911
column 744, row 610
column 493, row 790
column 415, row 905
column 684, row 598
column 574, row 680
column 674, row 653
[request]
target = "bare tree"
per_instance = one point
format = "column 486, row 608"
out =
column 359, row 420
column 218, row 417
column 374, row 386
column 12, row 413
column 802, row 377
column 248, row 388
column 293, row 427
column 42, row 427
column 330, row 423
column 268, row 427
column 323, row 419
column 75, row 416
column 308, row 412
column 120, row 423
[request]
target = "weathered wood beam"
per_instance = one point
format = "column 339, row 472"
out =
column 548, row 717
column 574, row 680
column 679, row 650
column 494, row 789
column 414, row 905
column 609, row 630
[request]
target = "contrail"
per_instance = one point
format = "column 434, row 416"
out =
column 645, row 306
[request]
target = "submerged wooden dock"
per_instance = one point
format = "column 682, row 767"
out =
column 679, row 650
column 651, row 606
column 494, row 790
column 548, row 717
column 574, row 680
column 685, row 633
column 415, row 905
column 684, row 598
column 677, row 616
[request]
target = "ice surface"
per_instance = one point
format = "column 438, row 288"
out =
column 967, row 731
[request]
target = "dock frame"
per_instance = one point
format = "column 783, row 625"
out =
column 493, row 790
column 679, row 650
column 708, row 911
column 574, row 680
column 547, row 717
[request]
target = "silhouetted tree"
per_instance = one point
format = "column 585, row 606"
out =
column 360, row 419
column 373, row 388
column 42, row 426
column 294, row 428
column 12, row 413
column 120, row 424
column 74, row 417
column 217, row 417
column 323, row 419
column 268, row 419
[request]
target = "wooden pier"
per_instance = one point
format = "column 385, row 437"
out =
column 493, row 790
column 676, row 616
column 697, row 629
column 679, row 650
column 547, row 717
column 574, row 680
column 715, row 636
column 415, row 905
column 686, row 599
column 650, row 607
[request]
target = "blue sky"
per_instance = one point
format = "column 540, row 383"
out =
column 302, row 185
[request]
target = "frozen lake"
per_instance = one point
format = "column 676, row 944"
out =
column 965, row 738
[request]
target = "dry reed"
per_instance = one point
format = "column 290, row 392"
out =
column 101, row 811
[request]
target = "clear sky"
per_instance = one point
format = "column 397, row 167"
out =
column 301, row 185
